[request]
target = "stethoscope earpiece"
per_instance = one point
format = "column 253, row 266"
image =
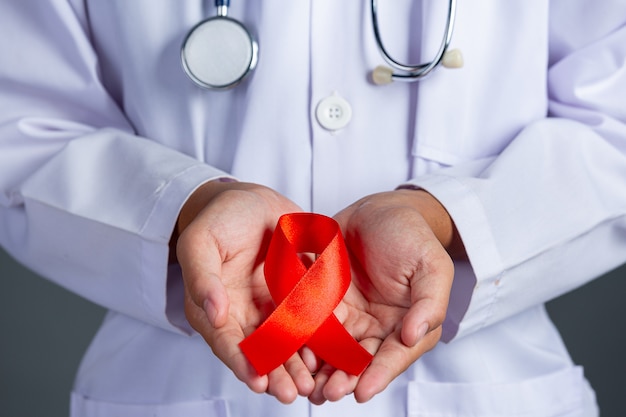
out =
column 382, row 74
column 452, row 58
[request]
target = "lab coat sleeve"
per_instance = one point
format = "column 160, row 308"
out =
column 548, row 213
column 83, row 200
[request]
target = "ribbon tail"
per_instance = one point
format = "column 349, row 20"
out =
column 337, row 347
column 268, row 349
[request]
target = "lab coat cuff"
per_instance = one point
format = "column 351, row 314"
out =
column 161, row 223
column 475, row 286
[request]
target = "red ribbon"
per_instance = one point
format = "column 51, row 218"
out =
column 305, row 298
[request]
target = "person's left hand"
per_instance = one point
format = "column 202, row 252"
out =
column 402, row 276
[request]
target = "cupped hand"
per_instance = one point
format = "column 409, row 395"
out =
column 402, row 277
column 224, row 230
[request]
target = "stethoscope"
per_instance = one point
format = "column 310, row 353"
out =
column 220, row 52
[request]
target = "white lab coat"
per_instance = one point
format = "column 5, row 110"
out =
column 102, row 138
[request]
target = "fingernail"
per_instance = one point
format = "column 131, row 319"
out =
column 210, row 311
column 421, row 332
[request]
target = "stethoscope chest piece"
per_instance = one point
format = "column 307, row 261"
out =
column 218, row 53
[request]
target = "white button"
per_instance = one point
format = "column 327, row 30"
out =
column 333, row 113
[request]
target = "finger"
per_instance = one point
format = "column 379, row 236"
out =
column 300, row 374
column 391, row 360
column 282, row 386
column 339, row 383
column 225, row 345
column 321, row 377
column 224, row 342
column 290, row 380
column 310, row 359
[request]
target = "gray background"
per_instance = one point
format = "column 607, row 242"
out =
column 44, row 331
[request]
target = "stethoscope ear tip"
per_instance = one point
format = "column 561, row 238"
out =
column 382, row 75
column 453, row 58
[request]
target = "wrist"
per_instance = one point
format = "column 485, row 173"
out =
column 193, row 205
column 199, row 199
column 439, row 220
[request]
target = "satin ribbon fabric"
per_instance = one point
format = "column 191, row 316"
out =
column 305, row 298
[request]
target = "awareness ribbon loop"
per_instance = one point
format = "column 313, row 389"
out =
column 305, row 298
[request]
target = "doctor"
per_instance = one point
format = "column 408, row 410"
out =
column 127, row 183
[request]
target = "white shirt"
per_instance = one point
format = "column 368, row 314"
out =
column 102, row 138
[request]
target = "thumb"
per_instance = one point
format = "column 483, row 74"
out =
column 209, row 293
column 422, row 317
column 430, row 294
column 201, row 265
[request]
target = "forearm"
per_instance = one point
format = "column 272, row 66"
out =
column 532, row 237
column 100, row 226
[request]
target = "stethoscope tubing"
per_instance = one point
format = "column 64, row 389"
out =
column 414, row 72
column 222, row 7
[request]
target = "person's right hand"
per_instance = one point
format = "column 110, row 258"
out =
column 224, row 231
